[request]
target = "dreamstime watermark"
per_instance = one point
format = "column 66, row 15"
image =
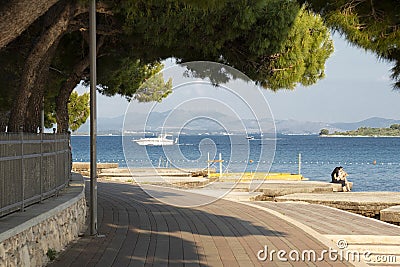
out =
column 341, row 253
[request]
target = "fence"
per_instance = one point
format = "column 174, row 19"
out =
column 33, row 167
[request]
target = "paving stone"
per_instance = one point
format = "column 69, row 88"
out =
column 141, row 231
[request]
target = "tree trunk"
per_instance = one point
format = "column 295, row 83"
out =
column 32, row 67
column 3, row 120
column 17, row 15
column 62, row 102
column 33, row 114
column 67, row 88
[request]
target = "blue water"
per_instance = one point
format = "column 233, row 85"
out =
column 319, row 156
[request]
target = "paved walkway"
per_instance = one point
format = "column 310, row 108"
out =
column 139, row 230
column 359, row 233
column 328, row 221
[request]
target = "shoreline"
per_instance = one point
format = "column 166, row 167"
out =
column 364, row 136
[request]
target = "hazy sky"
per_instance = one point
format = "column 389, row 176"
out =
column 357, row 86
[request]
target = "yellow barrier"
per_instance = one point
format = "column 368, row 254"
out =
column 247, row 176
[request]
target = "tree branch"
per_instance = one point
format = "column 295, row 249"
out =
column 101, row 29
column 18, row 15
column 100, row 8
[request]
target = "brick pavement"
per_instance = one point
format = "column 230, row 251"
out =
column 141, row 231
column 358, row 233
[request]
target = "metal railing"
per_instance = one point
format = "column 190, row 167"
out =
column 33, row 167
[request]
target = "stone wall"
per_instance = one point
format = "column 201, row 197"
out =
column 28, row 243
column 391, row 215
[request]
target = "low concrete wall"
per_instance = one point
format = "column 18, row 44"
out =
column 369, row 204
column 26, row 237
column 85, row 166
column 391, row 215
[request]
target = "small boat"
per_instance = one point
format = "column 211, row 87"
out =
column 161, row 140
column 250, row 137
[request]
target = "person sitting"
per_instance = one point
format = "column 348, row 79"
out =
column 339, row 176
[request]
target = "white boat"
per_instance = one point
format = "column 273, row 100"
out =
column 250, row 137
column 161, row 140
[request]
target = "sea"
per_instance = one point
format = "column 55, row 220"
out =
column 373, row 163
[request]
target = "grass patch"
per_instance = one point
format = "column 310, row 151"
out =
column 51, row 254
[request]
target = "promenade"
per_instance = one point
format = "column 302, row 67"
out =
column 137, row 230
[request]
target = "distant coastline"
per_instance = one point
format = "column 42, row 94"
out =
column 392, row 131
column 364, row 136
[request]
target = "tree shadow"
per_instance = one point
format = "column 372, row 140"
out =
column 134, row 228
column 159, row 233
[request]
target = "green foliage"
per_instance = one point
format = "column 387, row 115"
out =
column 303, row 55
column 127, row 77
column 393, row 130
column 51, row 254
column 78, row 110
column 154, row 89
column 395, row 126
column 274, row 42
column 370, row 24
column 49, row 120
column 324, row 132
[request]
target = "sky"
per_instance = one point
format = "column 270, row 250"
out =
column 357, row 86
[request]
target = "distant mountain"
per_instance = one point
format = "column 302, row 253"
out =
column 176, row 120
column 302, row 127
column 305, row 127
column 374, row 122
column 104, row 125
column 195, row 122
